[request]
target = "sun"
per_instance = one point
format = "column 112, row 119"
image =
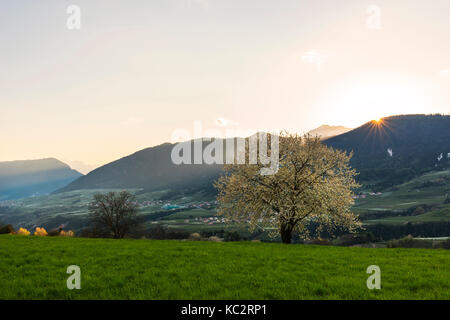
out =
column 378, row 121
column 361, row 98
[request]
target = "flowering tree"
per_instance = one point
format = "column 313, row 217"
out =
column 313, row 185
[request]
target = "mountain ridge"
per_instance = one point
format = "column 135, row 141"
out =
column 152, row 168
column 24, row 178
column 397, row 148
column 327, row 131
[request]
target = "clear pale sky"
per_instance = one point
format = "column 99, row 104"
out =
column 137, row 70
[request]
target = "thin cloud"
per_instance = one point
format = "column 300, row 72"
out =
column 222, row 122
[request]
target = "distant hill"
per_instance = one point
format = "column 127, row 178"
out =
column 24, row 178
column 80, row 166
column 150, row 169
column 397, row 148
column 326, row 131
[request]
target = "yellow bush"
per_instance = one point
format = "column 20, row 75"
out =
column 23, row 232
column 195, row 236
column 69, row 233
column 40, row 232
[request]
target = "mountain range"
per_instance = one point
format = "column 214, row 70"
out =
column 398, row 148
column 385, row 153
column 25, row 178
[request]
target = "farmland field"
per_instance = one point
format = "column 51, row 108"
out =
column 35, row 268
column 428, row 191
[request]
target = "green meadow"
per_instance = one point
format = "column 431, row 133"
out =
column 430, row 191
column 35, row 268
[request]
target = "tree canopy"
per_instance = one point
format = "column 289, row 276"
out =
column 314, row 185
column 114, row 214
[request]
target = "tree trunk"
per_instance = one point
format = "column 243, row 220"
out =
column 286, row 233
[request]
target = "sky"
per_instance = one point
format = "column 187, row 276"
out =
column 125, row 75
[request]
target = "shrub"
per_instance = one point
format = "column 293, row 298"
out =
column 446, row 243
column 6, row 229
column 319, row 241
column 162, row 232
column 352, row 239
column 195, row 236
column 418, row 211
column 69, row 233
column 54, row 232
column 41, row 232
column 23, row 232
column 442, row 244
column 233, row 236
column 94, row 232
column 209, row 233
column 410, row 242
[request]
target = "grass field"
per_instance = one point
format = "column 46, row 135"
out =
column 35, row 268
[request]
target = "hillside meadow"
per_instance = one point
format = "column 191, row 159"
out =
column 35, row 268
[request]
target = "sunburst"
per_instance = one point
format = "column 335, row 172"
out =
column 378, row 122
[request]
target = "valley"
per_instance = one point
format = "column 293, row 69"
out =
column 419, row 200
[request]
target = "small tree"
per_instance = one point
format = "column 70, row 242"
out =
column 313, row 186
column 114, row 214
column 6, row 229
